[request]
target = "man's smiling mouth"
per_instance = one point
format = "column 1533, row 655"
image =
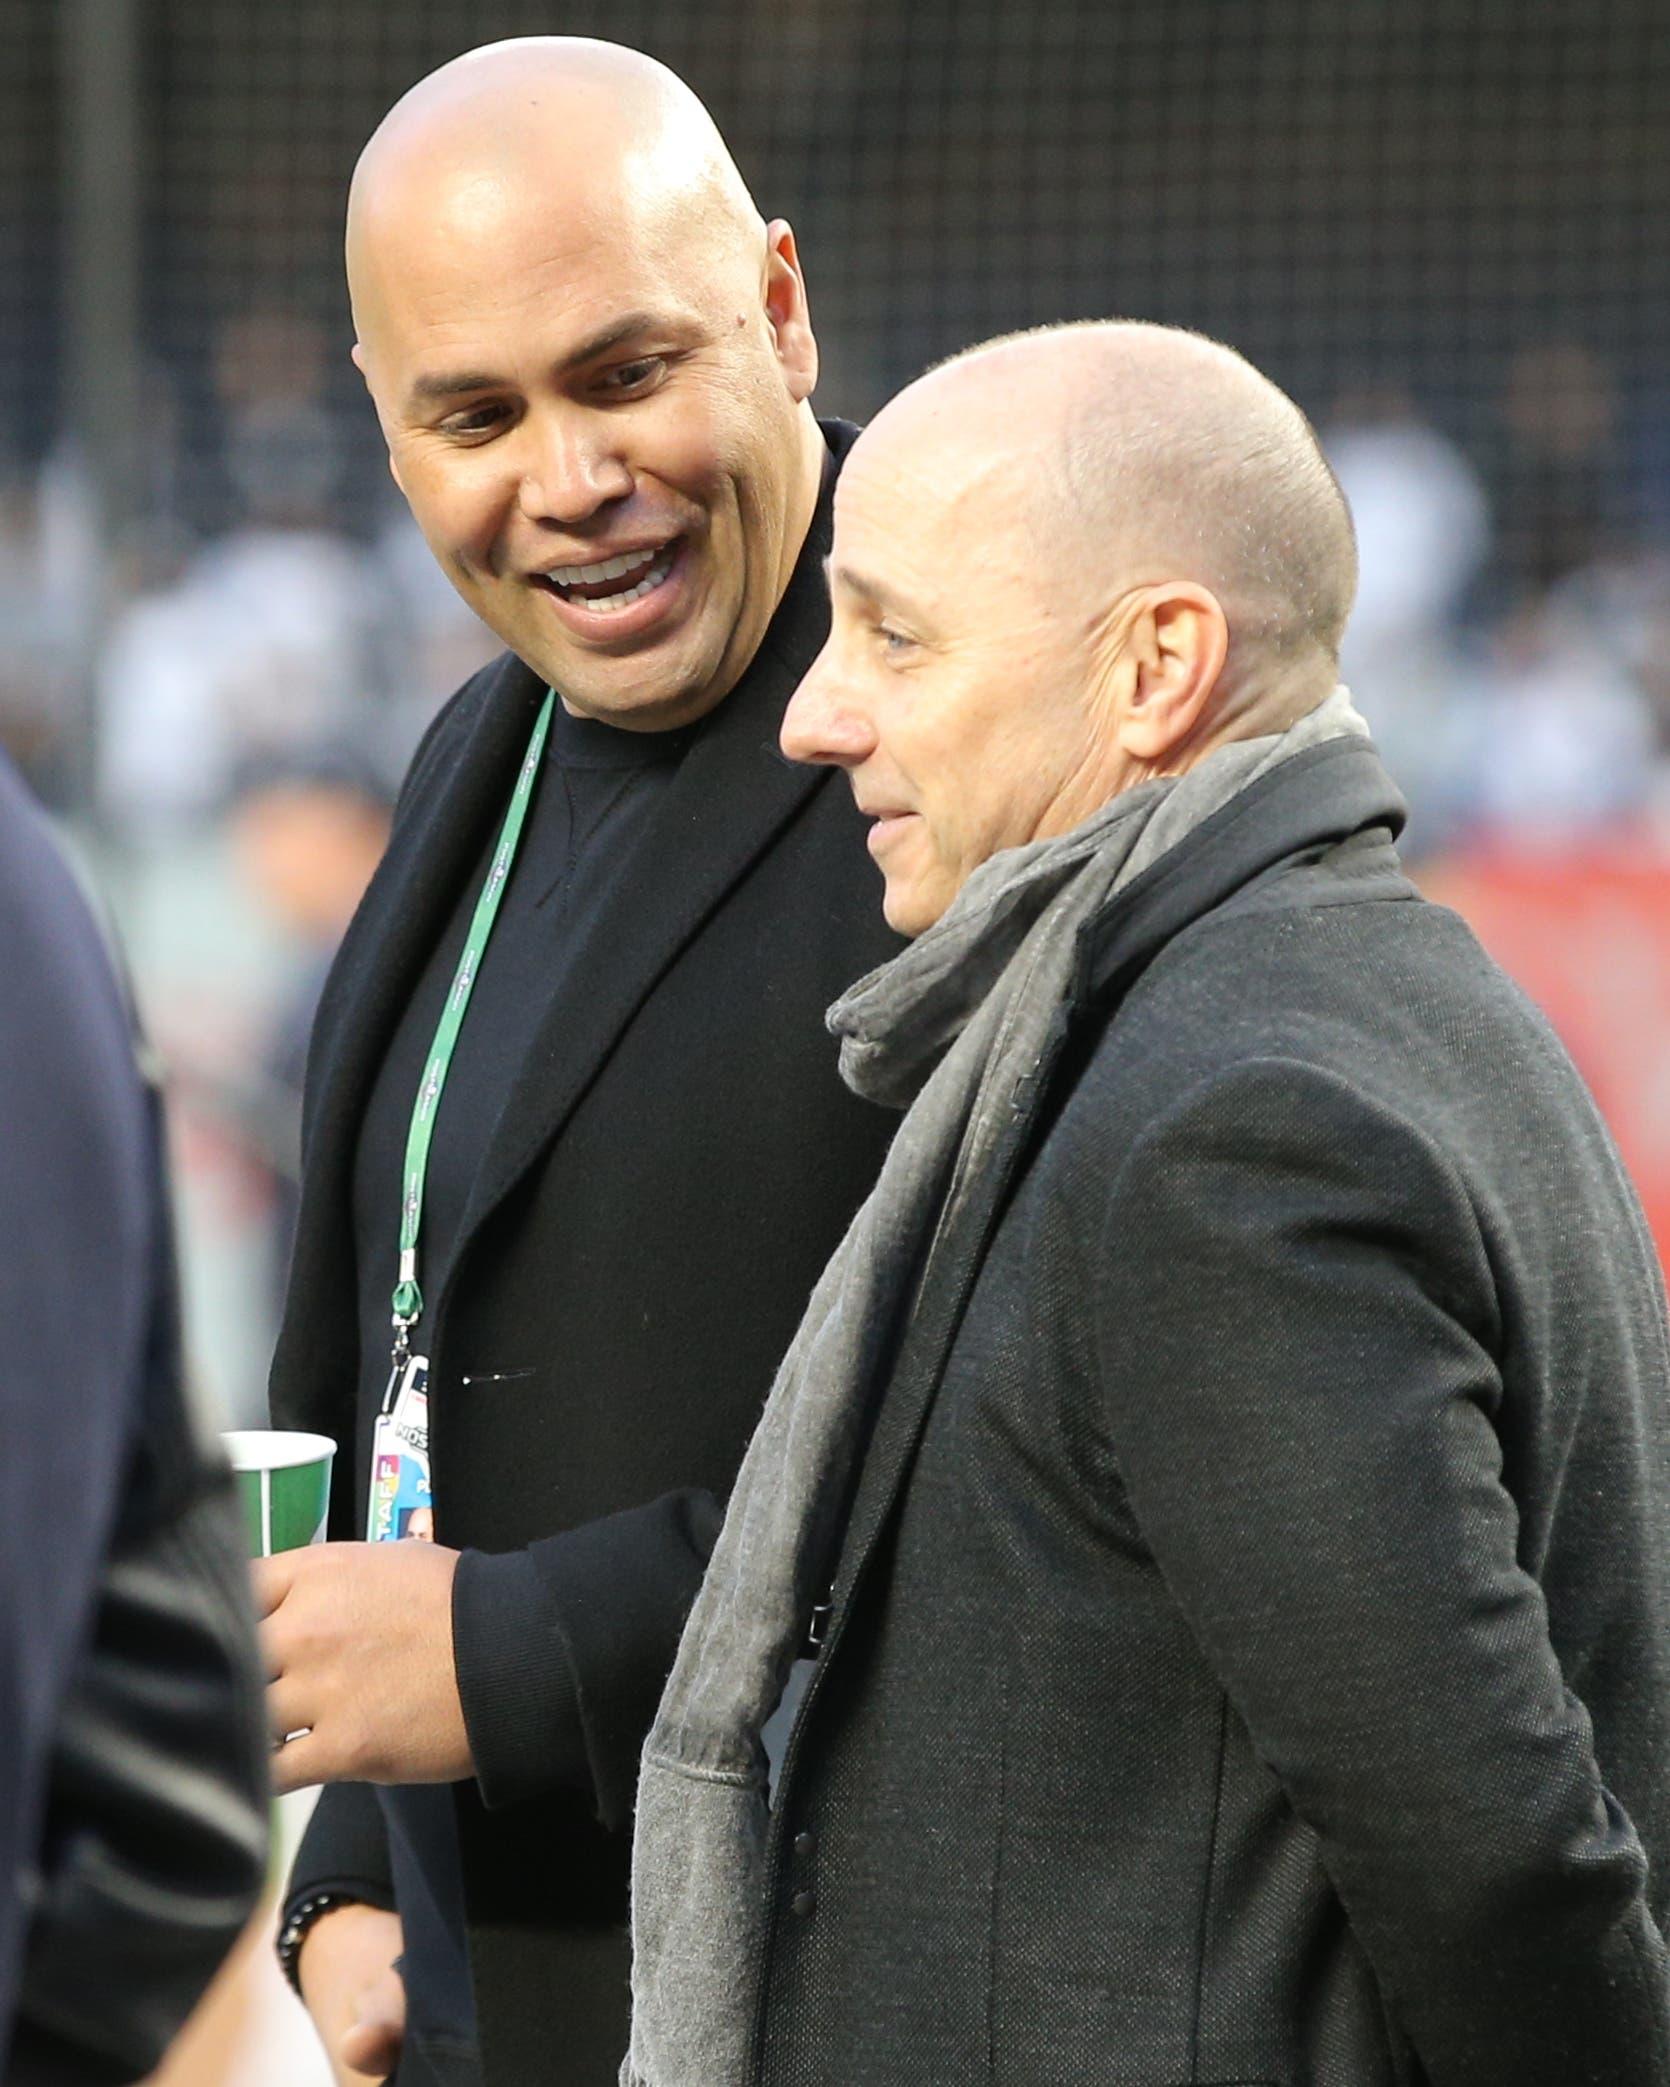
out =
column 613, row 583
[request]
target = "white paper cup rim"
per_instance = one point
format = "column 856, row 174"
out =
column 274, row 1449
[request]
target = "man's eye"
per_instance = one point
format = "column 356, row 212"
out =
column 628, row 379
column 893, row 643
column 473, row 420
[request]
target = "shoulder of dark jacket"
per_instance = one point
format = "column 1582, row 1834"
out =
column 1287, row 823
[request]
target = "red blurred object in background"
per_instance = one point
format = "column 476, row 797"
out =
column 1586, row 932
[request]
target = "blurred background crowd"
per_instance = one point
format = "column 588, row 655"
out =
column 1444, row 225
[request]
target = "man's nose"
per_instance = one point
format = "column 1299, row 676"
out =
column 822, row 722
column 569, row 469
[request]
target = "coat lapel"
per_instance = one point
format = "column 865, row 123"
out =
column 733, row 794
column 460, row 780
column 442, row 835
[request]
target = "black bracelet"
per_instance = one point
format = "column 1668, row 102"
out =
column 298, row 1923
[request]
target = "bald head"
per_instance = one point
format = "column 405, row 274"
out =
column 561, row 128
column 592, row 361
column 1065, row 564
column 1144, row 453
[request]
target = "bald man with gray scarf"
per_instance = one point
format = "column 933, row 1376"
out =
column 1197, row 1607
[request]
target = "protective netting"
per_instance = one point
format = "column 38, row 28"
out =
column 29, row 116
column 1443, row 224
column 35, row 648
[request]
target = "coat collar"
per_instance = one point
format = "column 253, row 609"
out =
column 458, row 784
column 1313, row 801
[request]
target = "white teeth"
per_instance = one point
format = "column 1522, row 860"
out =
column 610, row 569
column 607, row 603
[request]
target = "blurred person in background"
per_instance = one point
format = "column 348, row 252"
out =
column 436, row 640
column 307, row 833
column 132, row 1748
column 1423, row 534
column 1545, row 733
column 1224, row 1475
column 1566, row 496
column 1422, row 518
column 592, row 361
column 1626, row 600
column 267, row 638
column 1559, row 741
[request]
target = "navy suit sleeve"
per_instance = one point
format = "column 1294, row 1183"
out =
column 562, row 1649
column 77, row 1233
column 1296, row 1324
column 132, row 1839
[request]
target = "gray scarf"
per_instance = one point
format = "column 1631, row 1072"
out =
column 944, row 1031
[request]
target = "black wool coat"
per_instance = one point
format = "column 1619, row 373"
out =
column 673, row 1166
column 1250, row 1659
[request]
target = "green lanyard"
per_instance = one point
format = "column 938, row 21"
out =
column 408, row 1298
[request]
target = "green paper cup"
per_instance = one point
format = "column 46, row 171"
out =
column 284, row 1482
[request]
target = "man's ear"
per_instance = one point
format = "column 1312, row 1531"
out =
column 1177, row 648
column 787, row 310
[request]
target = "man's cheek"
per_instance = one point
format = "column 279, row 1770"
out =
column 457, row 526
column 684, row 446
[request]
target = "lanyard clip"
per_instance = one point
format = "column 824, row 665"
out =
column 408, row 1308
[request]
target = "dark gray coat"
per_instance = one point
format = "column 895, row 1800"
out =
column 1251, row 1650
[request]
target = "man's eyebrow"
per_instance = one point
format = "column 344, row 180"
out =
column 447, row 384
column 451, row 384
column 617, row 331
column 876, row 592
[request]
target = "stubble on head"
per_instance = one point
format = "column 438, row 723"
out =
column 1066, row 563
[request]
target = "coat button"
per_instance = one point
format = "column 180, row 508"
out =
column 804, row 1843
column 803, row 1903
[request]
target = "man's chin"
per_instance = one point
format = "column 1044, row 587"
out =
column 657, row 694
column 675, row 673
column 908, row 912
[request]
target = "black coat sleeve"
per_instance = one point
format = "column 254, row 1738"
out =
column 562, row 1649
column 344, row 1849
column 1296, row 1324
